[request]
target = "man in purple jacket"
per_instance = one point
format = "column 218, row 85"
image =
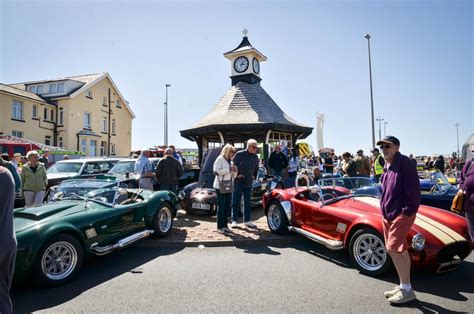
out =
column 399, row 204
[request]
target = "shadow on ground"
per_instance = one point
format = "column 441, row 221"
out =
column 97, row 270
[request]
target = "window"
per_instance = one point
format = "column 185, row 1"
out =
column 53, row 88
column 45, row 113
column 47, row 140
column 104, row 124
column 113, row 126
column 104, row 101
column 39, row 89
column 61, row 115
column 89, row 94
column 60, row 87
column 112, row 149
column 17, row 110
column 103, row 145
column 93, row 148
column 17, row 133
column 60, row 142
column 117, row 103
column 83, row 145
column 34, row 113
column 32, row 89
column 87, row 120
column 51, row 115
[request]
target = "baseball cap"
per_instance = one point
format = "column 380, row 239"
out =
column 389, row 140
column 360, row 151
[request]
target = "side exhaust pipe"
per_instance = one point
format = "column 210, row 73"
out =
column 330, row 244
column 103, row 250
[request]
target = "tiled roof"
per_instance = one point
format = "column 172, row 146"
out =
column 246, row 104
column 87, row 78
column 20, row 92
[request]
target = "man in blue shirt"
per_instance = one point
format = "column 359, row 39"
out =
column 246, row 163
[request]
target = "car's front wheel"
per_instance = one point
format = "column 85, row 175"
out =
column 368, row 253
column 163, row 221
column 58, row 260
column 276, row 218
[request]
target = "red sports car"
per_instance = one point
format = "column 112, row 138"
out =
column 344, row 213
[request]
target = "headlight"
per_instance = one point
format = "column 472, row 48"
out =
column 418, row 242
column 181, row 195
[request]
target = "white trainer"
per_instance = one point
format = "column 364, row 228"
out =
column 234, row 224
column 250, row 224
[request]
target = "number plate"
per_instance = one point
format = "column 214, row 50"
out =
column 201, row 206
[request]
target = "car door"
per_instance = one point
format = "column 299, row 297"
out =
column 303, row 208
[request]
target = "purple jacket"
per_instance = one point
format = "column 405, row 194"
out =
column 400, row 188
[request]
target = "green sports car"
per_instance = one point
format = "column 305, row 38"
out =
column 55, row 238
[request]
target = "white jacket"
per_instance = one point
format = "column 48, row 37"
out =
column 222, row 168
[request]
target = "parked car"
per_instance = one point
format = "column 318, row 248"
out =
column 125, row 169
column 55, row 238
column 340, row 215
column 79, row 168
column 436, row 190
column 201, row 198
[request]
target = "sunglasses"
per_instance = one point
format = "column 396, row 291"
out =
column 386, row 146
column 253, row 146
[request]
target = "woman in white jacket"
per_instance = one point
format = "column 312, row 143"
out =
column 224, row 170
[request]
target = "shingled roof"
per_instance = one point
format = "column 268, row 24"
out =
column 20, row 92
column 86, row 78
column 247, row 105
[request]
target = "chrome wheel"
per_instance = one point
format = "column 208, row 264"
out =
column 369, row 252
column 165, row 219
column 59, row 260
column 274, row 217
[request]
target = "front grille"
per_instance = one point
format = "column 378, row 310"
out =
column 454, row 251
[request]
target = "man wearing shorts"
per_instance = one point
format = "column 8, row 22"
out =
column 399, row 204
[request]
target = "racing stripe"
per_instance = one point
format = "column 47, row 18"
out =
column 443, row 237
column 456, row 236
column 369, row 200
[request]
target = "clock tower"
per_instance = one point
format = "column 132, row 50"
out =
column 245, row 62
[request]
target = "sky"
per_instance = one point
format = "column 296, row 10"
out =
column 422, row 61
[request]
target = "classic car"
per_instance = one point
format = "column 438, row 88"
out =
column 84, row 220
column 344, row 214
column 79, row 169
column 436, row 190
column 201, row 198
column 125, row 170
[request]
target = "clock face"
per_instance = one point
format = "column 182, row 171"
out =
column 241, row 64
column 255, row 65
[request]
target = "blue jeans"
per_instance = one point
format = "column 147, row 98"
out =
column 223, row 208
column 277, row 172
column 170, row 187
column 240, row 189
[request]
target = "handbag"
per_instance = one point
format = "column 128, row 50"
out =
column 459, row 200
column 226, row 186
column 458, row 203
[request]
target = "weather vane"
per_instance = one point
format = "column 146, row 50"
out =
column 245, row 32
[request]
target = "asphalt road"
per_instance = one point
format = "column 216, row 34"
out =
column 299, row 276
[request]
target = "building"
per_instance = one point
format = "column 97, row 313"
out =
column 84, row 113
column 246, row 110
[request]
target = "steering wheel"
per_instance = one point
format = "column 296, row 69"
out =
column 327, row 196
column 434, row 188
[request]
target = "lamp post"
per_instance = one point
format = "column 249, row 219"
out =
column 166, row 116
column 380, row 127
column 367, row 36
column 457, row 137
column 385, row 128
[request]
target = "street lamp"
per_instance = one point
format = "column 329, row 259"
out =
column 457, row 137
column 385, row 128
column 367, row 36
column 380, row 127
column 166, row 115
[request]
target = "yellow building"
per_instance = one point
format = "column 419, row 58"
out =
column 84, row 113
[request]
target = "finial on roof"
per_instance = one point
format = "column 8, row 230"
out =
column 245, row 32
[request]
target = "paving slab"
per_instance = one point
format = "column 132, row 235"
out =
column 196, row 230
